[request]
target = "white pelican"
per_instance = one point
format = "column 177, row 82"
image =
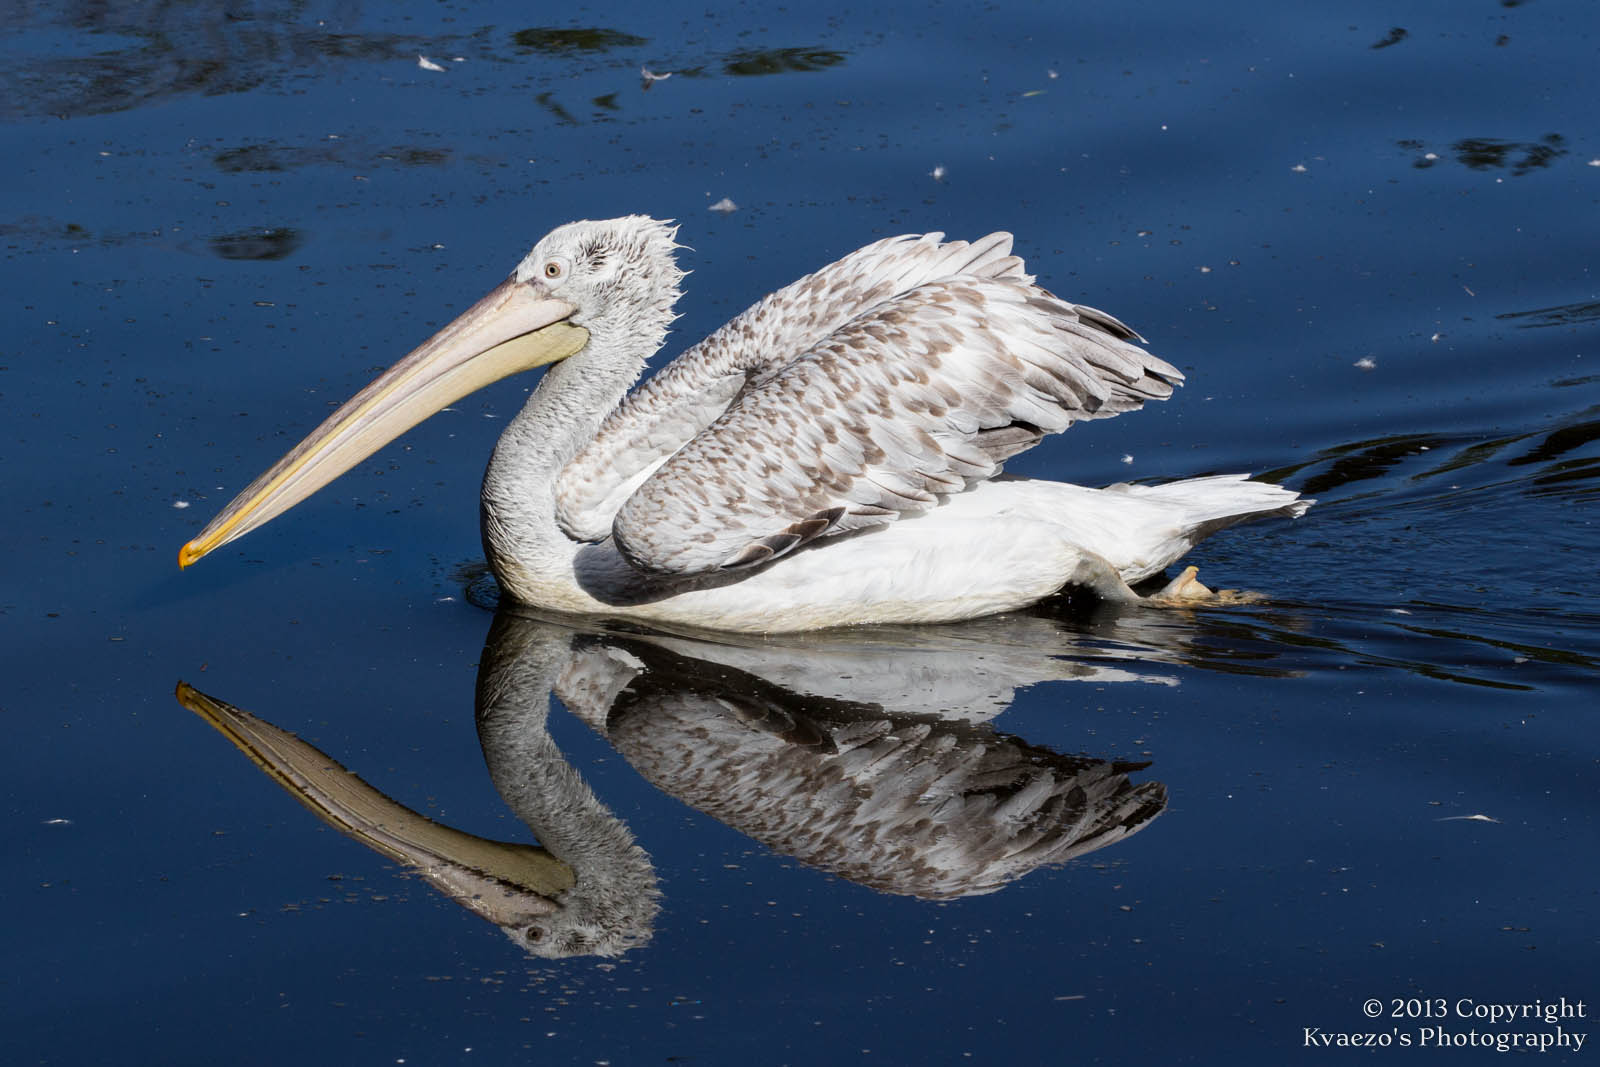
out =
column 831, row 456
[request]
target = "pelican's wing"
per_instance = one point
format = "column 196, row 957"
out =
column 664, row 413
column 914, row 400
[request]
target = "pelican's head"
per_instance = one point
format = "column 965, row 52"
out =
column 615, row 279
column 619, row 274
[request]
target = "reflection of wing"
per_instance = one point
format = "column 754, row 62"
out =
column 930, row 807
column 870, row 389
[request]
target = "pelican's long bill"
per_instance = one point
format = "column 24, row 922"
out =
column 515, row 327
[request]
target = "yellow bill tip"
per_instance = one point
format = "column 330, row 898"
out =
column 189, row 553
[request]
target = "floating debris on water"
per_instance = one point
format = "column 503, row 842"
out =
column 1366, row 363
column 937, row 173
column 427, row 64
column 724, row 205
column 1393, row 37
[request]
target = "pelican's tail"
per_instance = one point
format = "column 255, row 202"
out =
column 1196, row 508
column 1206, row 505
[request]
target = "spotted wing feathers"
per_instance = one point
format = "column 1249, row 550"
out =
column 664, row 413
column 911, row 400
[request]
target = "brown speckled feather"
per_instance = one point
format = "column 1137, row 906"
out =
column 872, row 388
column 664, row 413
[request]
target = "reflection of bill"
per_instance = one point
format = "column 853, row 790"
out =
column 508, row 883
column 895, row 787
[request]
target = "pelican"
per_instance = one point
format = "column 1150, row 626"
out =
column 832, row 456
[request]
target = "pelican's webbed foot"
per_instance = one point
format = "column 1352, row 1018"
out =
column 1186, row 590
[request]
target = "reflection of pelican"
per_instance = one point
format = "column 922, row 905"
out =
column 901, row 791
column 724, row 493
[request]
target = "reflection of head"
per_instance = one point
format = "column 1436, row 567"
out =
column 612, row 904
column 582, row 925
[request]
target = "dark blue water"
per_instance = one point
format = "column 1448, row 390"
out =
column 1366, row 235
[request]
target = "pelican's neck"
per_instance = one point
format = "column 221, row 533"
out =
column 562, row 415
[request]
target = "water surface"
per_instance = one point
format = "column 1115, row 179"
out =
column 1366, row 235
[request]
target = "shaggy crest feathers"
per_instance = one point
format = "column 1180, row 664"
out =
column 601, row 261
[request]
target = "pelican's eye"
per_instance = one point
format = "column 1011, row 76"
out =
column 551, row 269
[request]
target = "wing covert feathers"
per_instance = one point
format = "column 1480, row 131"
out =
column 871, row 389
column 663, row 413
